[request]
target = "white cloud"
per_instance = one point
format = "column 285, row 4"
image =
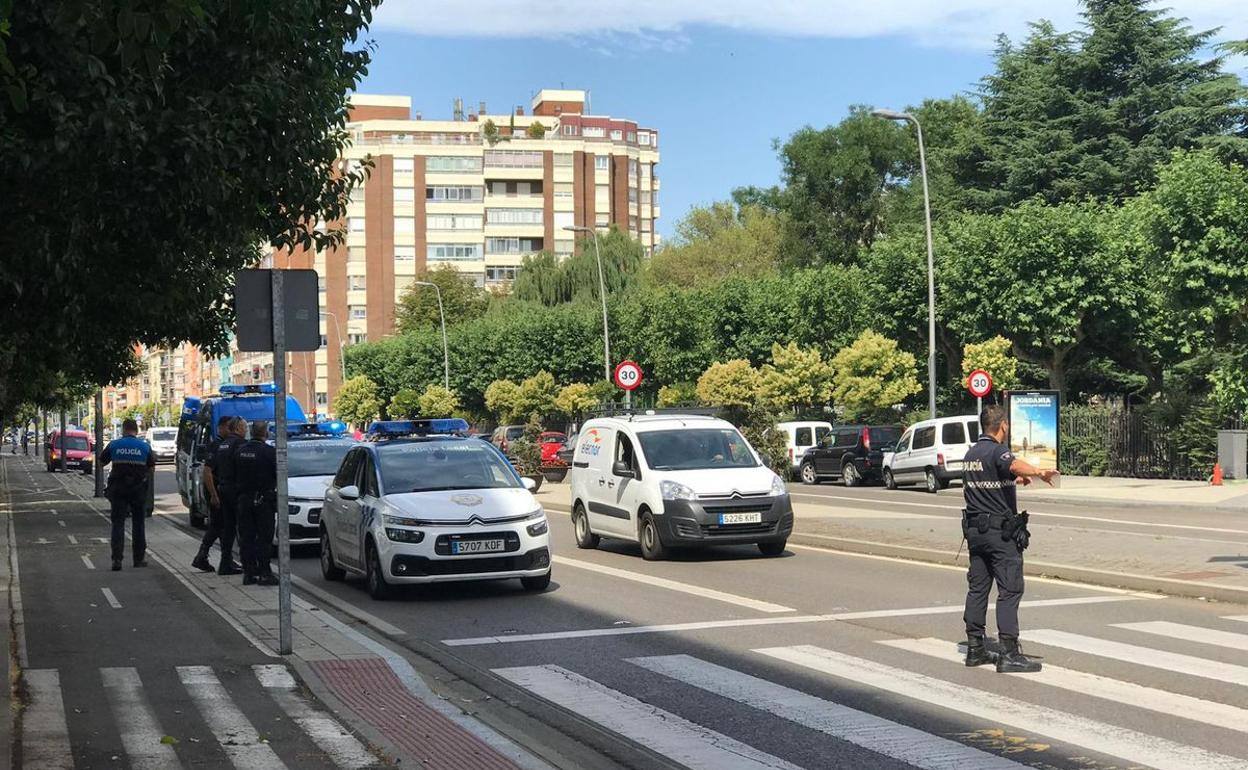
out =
column 970, row 24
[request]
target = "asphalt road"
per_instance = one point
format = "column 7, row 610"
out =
column 821, row 659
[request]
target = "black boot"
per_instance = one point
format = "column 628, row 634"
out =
column 1013, row 661
column 976, row 653
column 228, row 567
column 201, row 562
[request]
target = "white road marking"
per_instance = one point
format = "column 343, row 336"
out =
column 674, row 585
column 72, row 540
column 1144, row 656
column 689, row 744
column 747, row 622
column 860, row 728
column 135, row 719
column 87, row 561
column 1149, row 698
column 1190, row 633
column 112, row 599
column 61, row 522
column 345, row 606
column 237, row 737
column 1131, row 745
column 325, row 732
column 1241, row 618
column 45, row 735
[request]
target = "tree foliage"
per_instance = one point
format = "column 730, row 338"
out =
column 500, row 399
column 993, row 356
column 731, row 384
column 357, row 401
column 404, row 405
column 574, row 399
column 549, row 280
column 437, row 401
column 717, row 242
column 462, row 299
column 872, row 374
column 796, row 377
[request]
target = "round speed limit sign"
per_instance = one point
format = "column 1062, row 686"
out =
column 628, row 375
column 979, row 383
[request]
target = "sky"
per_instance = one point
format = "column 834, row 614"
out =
column 719, row 79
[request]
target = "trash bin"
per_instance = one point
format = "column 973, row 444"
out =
column 1233, row 453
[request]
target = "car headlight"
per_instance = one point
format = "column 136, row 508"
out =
column 400, row 521
column 674, row 490
column 778, row 487
column 404, row 535
column 538, row 527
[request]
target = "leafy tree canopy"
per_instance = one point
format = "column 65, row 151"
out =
column 796, row 377
column 717, row 242
column 731, row 383
column 462, row 299
column 357, row 402
column 872, row 374
column 437, row 401
column 993, row 356
column 547, row 279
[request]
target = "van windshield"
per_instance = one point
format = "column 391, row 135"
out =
column 317, row 458
column 698, row 449
column 165, row 434
column 73, row 443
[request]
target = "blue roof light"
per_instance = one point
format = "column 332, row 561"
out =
column 427, row 427
column 238, row 390
column 330, row 429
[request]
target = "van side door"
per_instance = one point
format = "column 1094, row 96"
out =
column 334, row 513
column 598, row 449
column 628, row 490
column 922, row 450
column 900, row 464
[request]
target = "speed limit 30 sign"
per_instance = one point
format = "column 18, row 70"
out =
column 627, row 375
column 979, row 383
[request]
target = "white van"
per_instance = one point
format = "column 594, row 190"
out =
column 674, row 480
column 931, row 452
column 801, row 435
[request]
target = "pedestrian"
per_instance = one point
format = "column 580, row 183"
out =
column 255, row 470
column 218, row 482
column 25, row 441
column 996, row 535
column 132, row 460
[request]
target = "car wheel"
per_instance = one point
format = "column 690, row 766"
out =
column 808, row 474
column 329, row 570
column 580, row 523
column 774, row 548
column 889, row 481
column 539, row 583
column 931, row 482
column 651, row 546
column 374, row 578
column 850, row 474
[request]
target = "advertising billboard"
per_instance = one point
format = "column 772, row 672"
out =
column 1034, row 419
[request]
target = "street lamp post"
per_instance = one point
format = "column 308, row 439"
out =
column 342, row 359
column 446, row 358
column 931, row 268
column 602, row 293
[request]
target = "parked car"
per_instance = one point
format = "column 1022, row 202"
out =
column 852, row 453
column 801, row 435
column 164, row 443
column 930, row 452
column 314, row 454
column 78, row 447
column 505, row 434
column 553, row 469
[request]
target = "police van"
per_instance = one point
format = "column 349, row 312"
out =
column 197, row 428
column 314, row 452
column 421, row 502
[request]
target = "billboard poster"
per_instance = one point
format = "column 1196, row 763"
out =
column 1034, row 424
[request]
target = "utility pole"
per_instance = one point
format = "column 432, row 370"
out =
column 99, row 442
column 61, row 440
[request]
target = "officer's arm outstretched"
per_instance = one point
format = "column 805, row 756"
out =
column 1025, row 472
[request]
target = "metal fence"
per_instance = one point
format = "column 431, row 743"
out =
column 1118, row 442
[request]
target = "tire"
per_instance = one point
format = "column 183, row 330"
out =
column 537, row 482
column 651, row 545
column 329, row 570
column 374, row 578
column 889, row 481
column 808, row 473
column 539, row 583
column 930, row 482
column 944, row 483
column 585, row 538
column 850, row 474
column 774, row 548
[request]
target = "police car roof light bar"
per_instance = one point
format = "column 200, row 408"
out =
column 331, row 429
column 422, row 427
column 231, row 389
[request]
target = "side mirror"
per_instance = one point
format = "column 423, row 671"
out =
column 349, row 492
column 528, row 483
column 623, row 470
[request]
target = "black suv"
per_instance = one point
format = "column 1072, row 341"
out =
column 852, row 453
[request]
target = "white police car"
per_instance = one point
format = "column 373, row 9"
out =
column 314, row 452
column 420, row 503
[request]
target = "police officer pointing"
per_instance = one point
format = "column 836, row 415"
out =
column 126, row 491
column 996, row 535
column 255, row 473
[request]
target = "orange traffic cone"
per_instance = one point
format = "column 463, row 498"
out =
column 1217, row 475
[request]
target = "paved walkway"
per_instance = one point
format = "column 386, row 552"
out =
column 1231, row 496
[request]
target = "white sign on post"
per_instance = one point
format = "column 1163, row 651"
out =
column 979, row 383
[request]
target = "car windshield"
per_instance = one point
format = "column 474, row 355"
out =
column 432, row 466
column 686, row 450
column 316, row 458
column 885, row 437
column 553, row 438
column 73, row 443
column 165, row 435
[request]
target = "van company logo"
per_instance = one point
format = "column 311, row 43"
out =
column 592, row 443
column 467, row 500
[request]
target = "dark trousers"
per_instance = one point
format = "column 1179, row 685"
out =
column 256, row 520
column 129, row 503
column 222, row 525
column 993, row 559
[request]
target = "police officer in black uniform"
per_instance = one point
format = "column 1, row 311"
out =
column 218, row 481
column 255, row 471
column 132, row 460
column 996, row 535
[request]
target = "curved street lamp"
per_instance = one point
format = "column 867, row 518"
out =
column 602, row 293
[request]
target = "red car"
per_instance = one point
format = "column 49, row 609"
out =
column 554, row 468
column 78, row 447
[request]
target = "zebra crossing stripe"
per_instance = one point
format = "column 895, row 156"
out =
column 692, row 745
column 1144, row 656
column 1131, row 745
column 140, row 731
column 1129, row 693
column 325, row 732
column 1241, row 618
column 236, row 735
column 45, row 735
column 898, row 741
column 1190, row 633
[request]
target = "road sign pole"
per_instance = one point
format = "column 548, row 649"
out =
column 279, row 425
column 979, row 405
column 64, row 421
column 99, row 443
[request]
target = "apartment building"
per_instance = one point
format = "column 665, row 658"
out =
column 164, row 377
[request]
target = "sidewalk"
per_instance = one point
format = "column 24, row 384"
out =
column 1154, row 493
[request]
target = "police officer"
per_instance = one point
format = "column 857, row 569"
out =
column 126, row 491
column 996, row 536
column 218, row 481
column 255, row 471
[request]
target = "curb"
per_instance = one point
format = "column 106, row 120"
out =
column 1042, row 499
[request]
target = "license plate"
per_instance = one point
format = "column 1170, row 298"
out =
column 740, row 518
column 460, row 547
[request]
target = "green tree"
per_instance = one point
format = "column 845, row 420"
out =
column 719, row 241
column 501, row 398
column 796, row 377
column 404, row 405
column 489, row 132
column 357, row 402
column 462, row 299
column 574, row 399
column 872, row 375
column 677, row 393
column 437, row 401
column 535, row 398
column 993, row 356
column 536, row 130
column 545, row 278
column 731, row 384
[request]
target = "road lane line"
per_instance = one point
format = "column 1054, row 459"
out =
column 882, row 736
column 344, row 606
column 87, row 561
column 112, row 599
column 61, row 522
column 674, row 585
column 45, row 735
column 1143, row 656
column 773, row 621
column 136, row 720
column 1241, row 618
column 1131, row 745
column 1149, row 698
column 239, row 740
column 325, row 732
column 72, row 540
column 692, row 745
column 1190, row 633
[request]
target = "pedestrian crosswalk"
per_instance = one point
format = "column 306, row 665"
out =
column 46, row 732
column 1174, row 720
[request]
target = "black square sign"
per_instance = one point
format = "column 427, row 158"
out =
column 253, row 306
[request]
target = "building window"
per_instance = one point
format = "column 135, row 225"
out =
column 404, row 225
column 324, row 341
column 512, row 245
column 632, row 136
column 513, row 159
column 602, row 162
column 404, row 195
column 404, row 253
column 633, row 167
column 569, row 130
column 356, row 339
column 322, row 399
column 439, row 193
column 513, row 216
column 404, row 165
column 564, row 248
column 499, row 274
column 564, row 158
column 594, row 132
column 320, row 284
column 453, row 164
column 563, row 189
column 632, row 195
column 355, row 255
column 632, row 223
column 602, row 194
column 645, row 197
column 355, row 224
column 617, row 135
column 643, row 138
column 356, row 283
column 359, row 312
column 602, row 220
column 564, row 219
column 455, row 252
column 453, row 222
